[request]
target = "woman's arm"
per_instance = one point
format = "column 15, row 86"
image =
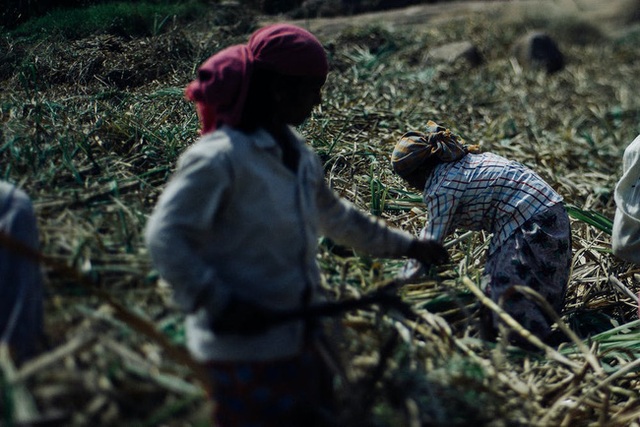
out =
column 346, row 224
column 179, row 226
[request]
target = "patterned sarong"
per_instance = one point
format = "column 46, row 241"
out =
column 282, row 393
column 538, row 255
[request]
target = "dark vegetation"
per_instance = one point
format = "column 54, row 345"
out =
column 17, row 12
column 93, row 120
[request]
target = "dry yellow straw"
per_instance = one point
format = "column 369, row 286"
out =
column 588, row 355
column 512, row 323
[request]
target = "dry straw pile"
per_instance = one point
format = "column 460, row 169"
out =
column 92, row 128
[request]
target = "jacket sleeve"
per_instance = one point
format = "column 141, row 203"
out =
column 347, row 225
column 625, row 239
column 21, row 279
column 178, row 227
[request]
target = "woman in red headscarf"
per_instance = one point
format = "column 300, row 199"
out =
column 235, row 231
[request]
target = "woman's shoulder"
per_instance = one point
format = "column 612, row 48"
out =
column 633, row 149
column 486, row 156
column 494, row 163
column 223, row 141
column 210, row 150
column 10, row 192
column 14, row 199
column 6, row 189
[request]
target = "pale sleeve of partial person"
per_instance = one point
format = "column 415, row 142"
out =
column 625, row 238
column 176, row 229
column 21, row 279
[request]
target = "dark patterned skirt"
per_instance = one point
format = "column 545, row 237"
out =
column 538, row 255
column 283, row 393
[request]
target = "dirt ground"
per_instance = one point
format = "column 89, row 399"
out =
column 611, row 16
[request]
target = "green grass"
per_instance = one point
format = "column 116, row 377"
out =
column 120, row 18
column 95, row 155
column 593, row 218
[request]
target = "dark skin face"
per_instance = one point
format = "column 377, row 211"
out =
column 418, row 178
column 275, row 101
column 295, row 98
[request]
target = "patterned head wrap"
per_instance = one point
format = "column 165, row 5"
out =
column 220, row 90
column 436, row 146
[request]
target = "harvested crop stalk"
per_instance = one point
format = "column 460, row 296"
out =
column 45, row 361
column 511, row 322
column 179, row 354
column 622, row 288
column 588, row 355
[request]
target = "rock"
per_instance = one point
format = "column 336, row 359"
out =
column 454, row 52
column 537, row 50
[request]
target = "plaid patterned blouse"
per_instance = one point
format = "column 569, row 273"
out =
column 484, row 192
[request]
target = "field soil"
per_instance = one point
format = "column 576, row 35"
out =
column 612, row 17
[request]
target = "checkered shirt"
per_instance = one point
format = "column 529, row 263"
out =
column 484, row 192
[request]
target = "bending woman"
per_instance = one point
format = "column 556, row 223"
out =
column 462, row 189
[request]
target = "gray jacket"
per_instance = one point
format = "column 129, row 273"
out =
column 233, row 220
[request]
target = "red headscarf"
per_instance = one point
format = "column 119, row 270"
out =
column 289, row 50
column 221, row 88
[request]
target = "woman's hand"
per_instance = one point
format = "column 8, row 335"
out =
column 428, row 252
